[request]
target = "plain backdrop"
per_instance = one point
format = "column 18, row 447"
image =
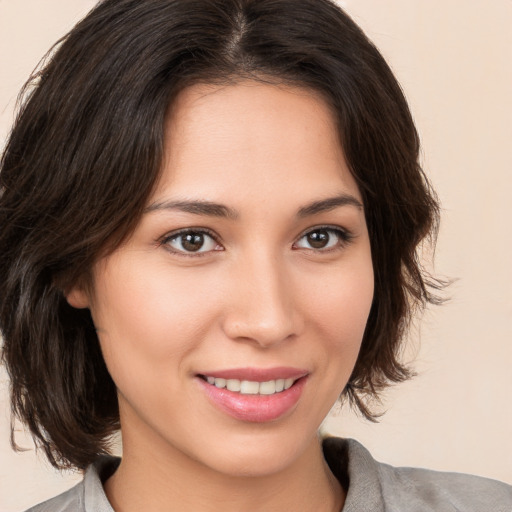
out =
column 454, row 61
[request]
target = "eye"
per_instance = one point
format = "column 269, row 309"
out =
column 191, row 242
column 323, row 238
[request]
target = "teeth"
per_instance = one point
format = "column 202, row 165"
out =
column 288, row 383
column 233, row 385
column 268, row 388
column 248, row 387
column 220, row 383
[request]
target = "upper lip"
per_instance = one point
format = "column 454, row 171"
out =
column 257, row 374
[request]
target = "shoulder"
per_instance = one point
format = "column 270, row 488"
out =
column 424, row 489
column 71, row 500
column 386, row 488
column 86, row 496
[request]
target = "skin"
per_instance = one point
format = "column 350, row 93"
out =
column 256, row 295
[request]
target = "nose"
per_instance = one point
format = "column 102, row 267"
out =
column 262, row 307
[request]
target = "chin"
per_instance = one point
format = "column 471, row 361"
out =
column 259, row 455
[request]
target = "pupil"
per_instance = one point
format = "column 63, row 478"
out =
column 192, row 241
column 318, row 239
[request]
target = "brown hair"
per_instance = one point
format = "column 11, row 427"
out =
column 85, row 154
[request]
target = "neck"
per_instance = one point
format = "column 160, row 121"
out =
column 160, row 479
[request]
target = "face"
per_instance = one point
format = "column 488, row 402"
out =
column 232, row 318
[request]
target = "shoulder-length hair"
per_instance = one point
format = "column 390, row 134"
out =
column 85, row 153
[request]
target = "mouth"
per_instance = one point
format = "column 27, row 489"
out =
column 254, row 395
column 250, row 387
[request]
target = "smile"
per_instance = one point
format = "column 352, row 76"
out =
column 252, row 394
column 248, row 387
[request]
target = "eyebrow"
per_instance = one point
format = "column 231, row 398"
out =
column 197, row 207
column 330, row 203
column 211, row 209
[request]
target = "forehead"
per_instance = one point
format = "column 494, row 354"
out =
column 241, row 139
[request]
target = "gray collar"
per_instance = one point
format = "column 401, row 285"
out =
column 350, row 462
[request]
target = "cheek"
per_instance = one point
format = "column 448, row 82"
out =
column 338, row 311
column 341, row 302
column 148, row 318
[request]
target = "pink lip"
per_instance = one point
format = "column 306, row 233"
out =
column 255, row 408
column 258, row 374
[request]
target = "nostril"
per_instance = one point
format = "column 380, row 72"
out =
column 276, row 328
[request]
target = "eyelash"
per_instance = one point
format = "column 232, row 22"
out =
column 165, row 241
column 344, row 238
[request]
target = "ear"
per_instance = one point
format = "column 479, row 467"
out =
column 77, row 297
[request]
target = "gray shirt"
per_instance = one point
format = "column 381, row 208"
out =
column 372, row 486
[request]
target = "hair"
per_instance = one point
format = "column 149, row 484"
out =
column 85, row 154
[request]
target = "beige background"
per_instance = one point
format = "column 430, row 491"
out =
column 453, row 58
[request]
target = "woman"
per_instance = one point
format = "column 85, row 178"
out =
column 210, row 218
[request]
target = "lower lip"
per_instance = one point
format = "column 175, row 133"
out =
column 254, row 408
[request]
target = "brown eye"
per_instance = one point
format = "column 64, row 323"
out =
column 323, row 238
column 318, row 239
column 191, row 242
